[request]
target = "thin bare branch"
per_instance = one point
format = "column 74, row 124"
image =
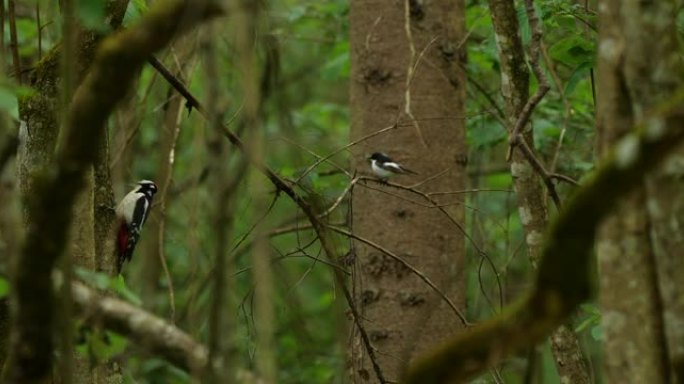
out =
column 406, row 264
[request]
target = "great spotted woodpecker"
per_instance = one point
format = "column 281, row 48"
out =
column 131, row 214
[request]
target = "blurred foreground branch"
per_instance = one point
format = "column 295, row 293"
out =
column 563, row 280
column 145, row 329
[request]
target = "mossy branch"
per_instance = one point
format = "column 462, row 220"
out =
column 563, row 278
column 141, row 327
column 117, row 62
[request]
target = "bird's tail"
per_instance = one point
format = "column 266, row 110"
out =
column 406, row 170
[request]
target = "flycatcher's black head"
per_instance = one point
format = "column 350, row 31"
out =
column 147, row 187
column 379, row 157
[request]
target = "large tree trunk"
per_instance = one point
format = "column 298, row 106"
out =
column 635, row 264
column 401, row 313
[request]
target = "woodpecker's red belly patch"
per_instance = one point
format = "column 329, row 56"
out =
column 122, row 238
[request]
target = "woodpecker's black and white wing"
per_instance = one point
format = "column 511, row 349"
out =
column 142, row 210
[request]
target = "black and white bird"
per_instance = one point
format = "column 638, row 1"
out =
column 131, row 214
column 384, row 167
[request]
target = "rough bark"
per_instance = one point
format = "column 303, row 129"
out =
column 103, row 201
column 401, row 314
column 631, row 84
column 40, row 111
column 50, row 200
column 515, row 86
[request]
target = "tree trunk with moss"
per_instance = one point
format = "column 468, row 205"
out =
column 638, row 271
column 395, row 46
column 90, row 243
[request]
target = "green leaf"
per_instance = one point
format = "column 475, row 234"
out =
column 592, row 320
column 101, row 345
column 95, row 279
column 580, row 73
column 107, row 345
column 8, row 101
column 91, row 13
column 119, row 286
column 134, row 10
column 4, row 287
column 104, row 282
column 573, row 50
column 338, row 67
column 499, row 180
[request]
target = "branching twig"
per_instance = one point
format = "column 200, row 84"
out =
column 411, row 69
column 541, row 171
column 543, row 87
column 565, row 178
column 566, row 106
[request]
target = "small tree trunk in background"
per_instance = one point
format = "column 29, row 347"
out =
column 529, row 191
column 635, row 349
column 401, row 313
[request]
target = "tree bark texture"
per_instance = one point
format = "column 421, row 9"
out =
column 631, row 256
column 92, row 219
column 515, row 85
column 401, row 313
column 40, row 110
